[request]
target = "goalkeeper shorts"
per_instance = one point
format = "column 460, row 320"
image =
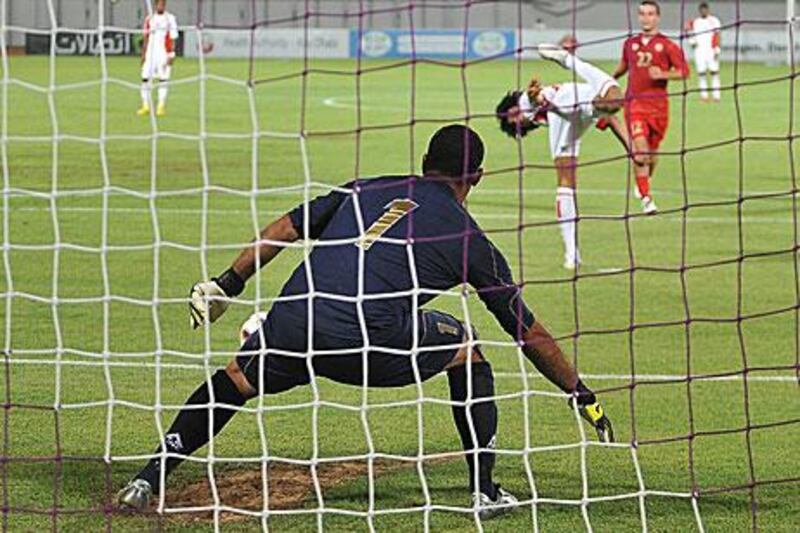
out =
column 440, row 338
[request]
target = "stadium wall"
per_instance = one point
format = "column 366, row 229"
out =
column 438, row 26
column 746, row 45
column 344, row 14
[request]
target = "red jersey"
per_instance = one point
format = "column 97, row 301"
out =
column 639, row 53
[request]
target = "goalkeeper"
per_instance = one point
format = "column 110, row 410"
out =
column 447, row 249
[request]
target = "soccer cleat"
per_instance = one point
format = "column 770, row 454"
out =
column 504, row 502
column 593, row 413
column 161, row 110
column 143, row 111
column 636, row 193
column 554, row 53
column 649, row 206
column 136, row 495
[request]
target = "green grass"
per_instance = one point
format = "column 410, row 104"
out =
column 138, row 332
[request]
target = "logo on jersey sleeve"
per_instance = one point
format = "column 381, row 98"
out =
column 395, row 210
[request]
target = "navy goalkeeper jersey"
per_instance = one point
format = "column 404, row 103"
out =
column 410, row 233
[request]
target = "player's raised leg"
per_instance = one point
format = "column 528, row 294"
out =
column 599, row 80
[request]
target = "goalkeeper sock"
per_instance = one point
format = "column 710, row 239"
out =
column 162, row 93
column 565, row 211
column 599, row 81
column 715, row 86
column 145, row 92
column 703, row 83
column 484, row 421
column 189, row 431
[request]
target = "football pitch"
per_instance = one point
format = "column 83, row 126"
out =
column 103, row 240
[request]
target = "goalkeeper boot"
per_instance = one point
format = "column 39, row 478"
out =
column 136, row 495
column 553, row 53
column 161, row 110
column 143, row 111
column 503, row 502
column 649, row 206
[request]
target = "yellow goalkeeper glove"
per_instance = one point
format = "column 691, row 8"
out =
column 591, row 411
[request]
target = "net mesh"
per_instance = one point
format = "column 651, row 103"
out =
column 699, row 363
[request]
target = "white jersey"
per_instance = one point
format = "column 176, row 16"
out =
column 570, row 113
column 162, row 33
column 705, row 33
column 162, row 30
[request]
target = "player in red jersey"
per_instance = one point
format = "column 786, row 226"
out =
column 651, row 59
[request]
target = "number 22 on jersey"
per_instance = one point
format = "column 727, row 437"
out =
column 395, row 210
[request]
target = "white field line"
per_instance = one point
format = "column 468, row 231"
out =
column 479, row 215
column 503, row 375
column 657, row 377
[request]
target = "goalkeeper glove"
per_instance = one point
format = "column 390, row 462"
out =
column 209, row 299
column 591, row 411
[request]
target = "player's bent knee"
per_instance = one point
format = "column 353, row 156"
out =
column 240, row 380
column 467, row 353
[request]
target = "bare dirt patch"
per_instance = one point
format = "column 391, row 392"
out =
column 290, row 486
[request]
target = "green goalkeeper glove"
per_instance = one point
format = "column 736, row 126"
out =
column 209, row 299
column 591, row 411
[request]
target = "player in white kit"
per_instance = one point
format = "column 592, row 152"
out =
column 704, row 37
column 569, row 110
column 158, row 53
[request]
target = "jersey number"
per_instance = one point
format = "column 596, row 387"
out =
column 396, row 210
column 644, row 59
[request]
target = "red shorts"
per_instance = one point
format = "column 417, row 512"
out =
column 651, row 126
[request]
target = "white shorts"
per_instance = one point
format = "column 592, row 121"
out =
column 155, row 66
column 706, row 60
column 565, row 135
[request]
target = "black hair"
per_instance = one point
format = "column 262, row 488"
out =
column 703, row 5
column 511, row 129
column 455, row 151
column 651, row 3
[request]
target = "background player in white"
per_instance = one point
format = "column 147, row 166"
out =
column 569, row 110
column 158, row 53
column 704, row 38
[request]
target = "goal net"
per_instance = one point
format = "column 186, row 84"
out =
column 686, row 323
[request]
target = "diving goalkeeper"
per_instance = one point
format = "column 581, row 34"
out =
column 417, row 234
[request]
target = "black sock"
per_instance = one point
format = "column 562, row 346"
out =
column 189, row 431
column 484, row 419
